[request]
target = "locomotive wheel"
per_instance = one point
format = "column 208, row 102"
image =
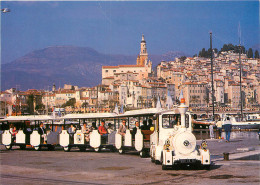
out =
column 157, row 162
column 82, row 148
column 37, row 148
column 22, row 147
column 112, row 149
column 97, row 149
column 142, row 154
column 8, row 147
column 207, row 167
column 51, row 147
column 121, row 151
column 164, row 167
column 66, row 148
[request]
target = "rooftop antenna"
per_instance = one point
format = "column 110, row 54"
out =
column 240, row 65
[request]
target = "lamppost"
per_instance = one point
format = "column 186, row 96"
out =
column 5, row 10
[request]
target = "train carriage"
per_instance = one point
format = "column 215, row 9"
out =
column 141, row 140
column 96, row 141
column 26, row 134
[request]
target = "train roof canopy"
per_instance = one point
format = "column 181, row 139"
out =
column 89, row 116
column 28, row 118
column 140, row 112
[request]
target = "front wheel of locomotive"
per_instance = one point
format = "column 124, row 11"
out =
column 164, row 167
column 207, row 167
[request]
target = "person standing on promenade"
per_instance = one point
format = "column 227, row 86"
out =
column 219, row 126
column 227, row 128
column 211, row 131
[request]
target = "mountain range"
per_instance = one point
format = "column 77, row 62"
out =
column 61, row 65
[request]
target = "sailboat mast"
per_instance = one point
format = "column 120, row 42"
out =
column 240, row 65
column 241, row 98
column 212, row 81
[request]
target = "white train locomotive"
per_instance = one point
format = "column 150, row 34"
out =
column 173, row 143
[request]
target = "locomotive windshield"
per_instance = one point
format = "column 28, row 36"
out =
column 169, row 120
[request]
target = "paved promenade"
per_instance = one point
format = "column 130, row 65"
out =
column 58, row 167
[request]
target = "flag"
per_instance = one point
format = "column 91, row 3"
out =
column 122, row 109
column 169, row 102
column 116, row 109
column 158, row 105
column 181, row 96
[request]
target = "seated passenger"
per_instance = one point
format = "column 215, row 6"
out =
column 71, row 130
column 150, row 123
column 109, row 128
column 122, row 128
column 102, row 129
column 13, row 132
column 135, row 129
column 93, row 127
column 11, row 129
column 145, row 126
column 85, row 131
column 42, row 132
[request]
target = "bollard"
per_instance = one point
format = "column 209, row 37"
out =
column 226, row 156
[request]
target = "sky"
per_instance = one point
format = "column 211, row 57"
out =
column 116, row 27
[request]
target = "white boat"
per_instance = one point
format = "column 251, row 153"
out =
column 245, row 124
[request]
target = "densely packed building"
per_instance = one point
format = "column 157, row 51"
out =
column 138, row 86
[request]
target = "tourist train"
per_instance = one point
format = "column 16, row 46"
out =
column 167, row 138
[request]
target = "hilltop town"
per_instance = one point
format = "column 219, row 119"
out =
column 139, row 86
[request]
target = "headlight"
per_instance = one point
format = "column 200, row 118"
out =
column 167, row 144
column 204, row 144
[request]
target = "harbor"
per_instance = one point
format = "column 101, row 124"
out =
column 58, row 167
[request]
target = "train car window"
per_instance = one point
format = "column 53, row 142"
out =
column 169, row 120
column 187, row 120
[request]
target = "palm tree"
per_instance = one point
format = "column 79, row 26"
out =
column 155, row 100
column 206, row 99
column 141, row 99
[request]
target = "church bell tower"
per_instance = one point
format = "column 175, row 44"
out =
column 143, row 57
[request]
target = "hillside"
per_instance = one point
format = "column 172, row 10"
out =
column 64, row 65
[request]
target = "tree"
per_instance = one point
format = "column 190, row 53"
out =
column 39, row 107
column 141, row 99
column 29, row 102
column 195, row 100
column 256, row 54
column 71, row 102
column 182, row 58
column 250, row 53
